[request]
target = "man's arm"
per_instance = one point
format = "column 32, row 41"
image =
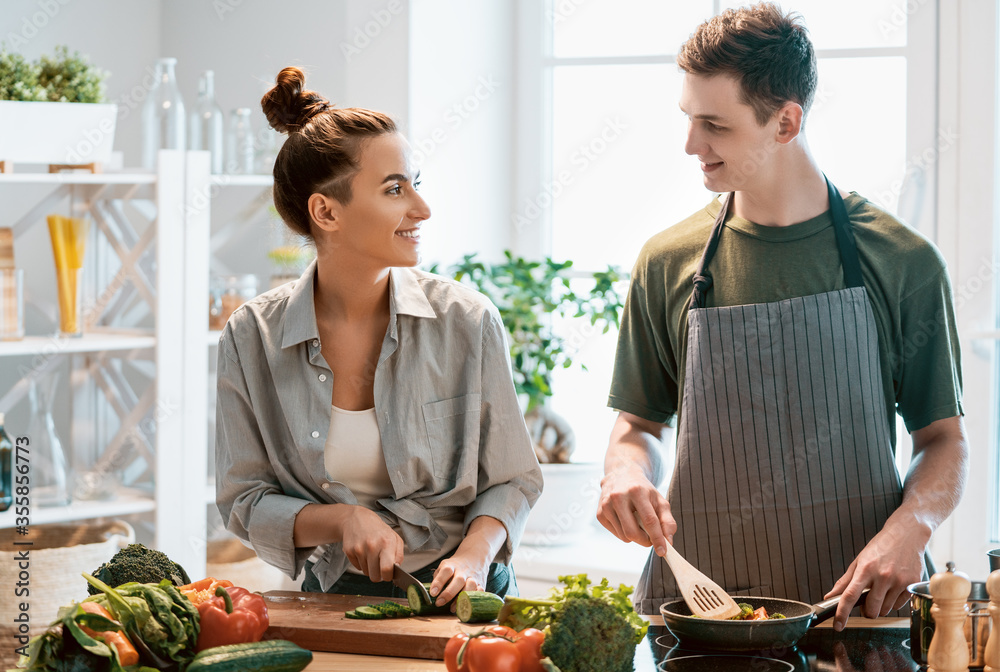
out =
column 893, row 559
column 633, row 467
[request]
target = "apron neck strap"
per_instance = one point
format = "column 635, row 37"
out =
column 841, row 226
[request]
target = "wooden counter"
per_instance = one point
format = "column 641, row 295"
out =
column 343, row 662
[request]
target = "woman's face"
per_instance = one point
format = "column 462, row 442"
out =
column 381, row 223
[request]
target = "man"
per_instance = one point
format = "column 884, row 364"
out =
column 782, row 326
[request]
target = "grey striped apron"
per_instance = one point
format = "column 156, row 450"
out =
column 784, row 467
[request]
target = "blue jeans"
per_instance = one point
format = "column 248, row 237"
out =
column 500, row 581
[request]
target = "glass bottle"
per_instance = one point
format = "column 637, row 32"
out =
column 205, row 132
column 6, row 468
column 240, row 149
column 163, row 117
column 48, row 461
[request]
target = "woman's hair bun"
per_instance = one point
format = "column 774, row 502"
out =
column 288, row 106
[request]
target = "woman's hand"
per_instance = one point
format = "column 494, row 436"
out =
column 469, row 567
column 371, row 545
column 462, row 571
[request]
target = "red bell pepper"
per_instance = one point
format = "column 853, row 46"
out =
column 233, row 616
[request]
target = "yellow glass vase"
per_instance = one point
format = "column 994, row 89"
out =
column 69, row 239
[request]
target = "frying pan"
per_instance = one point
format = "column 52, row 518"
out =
column 772, row 634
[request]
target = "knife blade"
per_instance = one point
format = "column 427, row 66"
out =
column 403, row 580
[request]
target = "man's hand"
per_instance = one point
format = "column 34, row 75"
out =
column 634, row 510
column 630, row 505
column 891, row 561
column 893, row 558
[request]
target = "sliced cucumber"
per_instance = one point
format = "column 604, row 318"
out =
column 351, row 614
column 477, row 606
column 421, row 608
column 392, row 609
column 368, row 612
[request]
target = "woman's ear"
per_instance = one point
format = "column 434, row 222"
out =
column 789, row 122
column 325, row 212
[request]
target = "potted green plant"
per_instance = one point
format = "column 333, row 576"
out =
column 534, row 297
column 34, row 99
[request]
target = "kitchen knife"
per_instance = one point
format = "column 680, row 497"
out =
column 403, row 580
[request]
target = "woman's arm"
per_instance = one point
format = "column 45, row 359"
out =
column 370, row 544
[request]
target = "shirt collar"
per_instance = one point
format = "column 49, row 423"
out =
column 405, row 298
column 300, row 311
column 405, row 295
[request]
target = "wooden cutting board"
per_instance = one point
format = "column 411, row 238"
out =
column 316, row 621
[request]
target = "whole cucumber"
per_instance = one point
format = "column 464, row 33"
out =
column 272, row 655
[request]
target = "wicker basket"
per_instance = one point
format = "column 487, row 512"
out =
column 230, row 559
column 57, row 556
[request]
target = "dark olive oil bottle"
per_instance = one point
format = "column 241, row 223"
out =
column 6, row 458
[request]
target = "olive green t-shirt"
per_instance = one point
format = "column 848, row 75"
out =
column 904, row 274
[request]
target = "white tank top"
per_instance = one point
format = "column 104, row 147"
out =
column 353, row 456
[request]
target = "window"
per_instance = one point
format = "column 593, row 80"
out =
column 602, row 166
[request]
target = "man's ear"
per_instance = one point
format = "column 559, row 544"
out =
column 325, row 212
column 789, row 122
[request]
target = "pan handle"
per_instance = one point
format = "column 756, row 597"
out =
column 827, row 608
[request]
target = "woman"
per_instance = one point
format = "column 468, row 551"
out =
column 366, row 412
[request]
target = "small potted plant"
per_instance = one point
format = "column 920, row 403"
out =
column 36, row 100
column 529, row 294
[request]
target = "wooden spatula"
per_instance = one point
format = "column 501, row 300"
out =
column 704, row 597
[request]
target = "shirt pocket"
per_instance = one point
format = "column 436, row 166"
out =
column 452, row 427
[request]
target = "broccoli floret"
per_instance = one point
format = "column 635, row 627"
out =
column 590, row 635
column 137, row 563
column 746, row 612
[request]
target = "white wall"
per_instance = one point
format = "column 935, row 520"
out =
column 461, row 122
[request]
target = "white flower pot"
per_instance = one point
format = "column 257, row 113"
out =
column 62, row 133
column 567, row 506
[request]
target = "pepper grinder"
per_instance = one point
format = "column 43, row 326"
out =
column 992, row 655
column 949, row 650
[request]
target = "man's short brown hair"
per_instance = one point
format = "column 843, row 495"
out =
column 768, row 52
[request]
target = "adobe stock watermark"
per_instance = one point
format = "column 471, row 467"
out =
column 561, row 10
column 946, row 139
column 31, row 25
column 581, row 159
column 454, row 117
column 223, row 7
column 901, row 11
column 361, row 37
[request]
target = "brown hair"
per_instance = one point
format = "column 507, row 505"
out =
column 322, row 149
column 766, row 51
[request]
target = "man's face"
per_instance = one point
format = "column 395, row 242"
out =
column 734, row 150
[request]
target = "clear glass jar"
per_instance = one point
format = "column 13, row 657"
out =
column 240, row 145
column 163, row 119
column 227, row 293
column 49, row 470
column 205, row 132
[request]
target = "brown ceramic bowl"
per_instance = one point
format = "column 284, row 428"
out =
column 977, row 623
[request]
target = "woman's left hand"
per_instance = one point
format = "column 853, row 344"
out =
column 462, row 571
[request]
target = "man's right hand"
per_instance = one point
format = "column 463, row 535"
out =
column 634, row 510
column 630, row 505
column 371, row 545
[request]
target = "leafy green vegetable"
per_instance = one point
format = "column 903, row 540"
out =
column 162, row 623
column 587, row 627
column 65, row 647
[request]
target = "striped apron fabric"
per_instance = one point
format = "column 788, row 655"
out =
column 784, row 468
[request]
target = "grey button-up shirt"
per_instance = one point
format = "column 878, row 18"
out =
column 452, row 433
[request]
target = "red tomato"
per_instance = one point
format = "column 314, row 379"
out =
column 503, row 631
column 492, row 654
column 451, row 653
column 529, row 643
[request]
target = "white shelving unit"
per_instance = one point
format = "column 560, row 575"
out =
column 146, row 238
